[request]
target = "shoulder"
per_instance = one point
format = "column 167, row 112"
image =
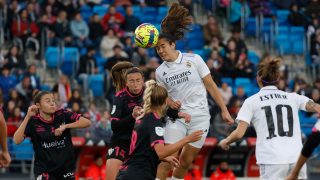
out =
column 121, row 93
column 192, row 55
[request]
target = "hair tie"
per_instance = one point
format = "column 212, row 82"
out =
column 269, row 82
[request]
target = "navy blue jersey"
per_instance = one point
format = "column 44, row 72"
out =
column 143, row 160
column 53, row 154
column 122, row 122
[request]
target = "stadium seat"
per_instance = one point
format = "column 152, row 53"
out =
column 251, row 27
column 283, row 44
column 282, row 16
column 181, row 44
column 242, row 81
column 52, row 57
column 121, row 10
column 228, row 80
column 283, row 30
column 86, row 12
column 201, row 52
column 100, row 10
column 253, row 57
column 149, row 11
column 96, row 84
column 195, row 43
column 45, row 87
column 23, row 151
column 297, row 47
column 70, row 60
column 297, row 30
column 163, row 10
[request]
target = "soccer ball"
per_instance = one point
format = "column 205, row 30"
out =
column 146, row 35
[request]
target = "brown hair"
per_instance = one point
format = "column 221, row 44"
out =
column 133, row 70
column 37, row 95
column 118, row 74
column 269, row 70
column 174, row 25
column 154, row 96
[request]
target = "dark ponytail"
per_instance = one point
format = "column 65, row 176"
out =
column 269, row 70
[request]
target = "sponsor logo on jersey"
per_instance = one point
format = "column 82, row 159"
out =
column 53, row 144
column 159, row 131
column 164, row 73
column 69, row 174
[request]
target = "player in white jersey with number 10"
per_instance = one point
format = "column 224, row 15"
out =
column 274, row 115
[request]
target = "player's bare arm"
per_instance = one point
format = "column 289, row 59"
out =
column 312, row 107
column 234, row 136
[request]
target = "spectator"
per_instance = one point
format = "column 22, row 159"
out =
column 296, row 18
column 34, row 78
column 7, row 82
column 75, row 107
column 96, row 170
column 80, row 31
column 61, row 29
column 240, row 44
column 23, row 28
column 76, row 98
column 226, row 93
column 131, row 21
column 317, row 84
column 119, row 55
column 236, row 12
column 96, row 31
column 194, row 173
column 215, row 63
column 223, row 172
column 282, row 85
column 312, row 28
column 102, row 129
column 51, row 18
column 153, row 3
column 32, row 15
column 25, row 89
column 12, row 14
column 108, row 42
column 63, row 88
column 16, row 62
column 94, row 114
column 18, row 101
column 140, row 57
column 259, row 7
column 229, row 64
column 245, row 68
column 13, row 121
column 313, row 9
column 215, row 43
column 211, row 30
column 129, row 46
column 112, row 19
column 240, row 95
column 88, row 66
column 301, row 87
column 232, row 46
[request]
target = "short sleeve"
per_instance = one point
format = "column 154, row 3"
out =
column 246, row 112
column 28, row 131
column 159, row 80
column 156, row 132
column 71, row 117
column 301, row 101
column 202, row 68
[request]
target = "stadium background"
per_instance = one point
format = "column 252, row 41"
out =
column 43, row 45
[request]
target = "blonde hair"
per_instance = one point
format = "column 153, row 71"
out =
column 154, row 97
column 118, row 74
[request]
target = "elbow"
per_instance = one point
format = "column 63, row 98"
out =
column 161, row 156
column 16, row 140
column 88, row 123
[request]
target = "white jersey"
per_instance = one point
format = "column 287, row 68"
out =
column 183, row 80
column 274, row 115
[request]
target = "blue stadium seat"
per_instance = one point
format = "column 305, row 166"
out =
column 121, row 10
column 253, row 57
column 136, row 9
column 282, row 16
column 283, row 44
column 96, row 83
column 86, row 12
column 228, row 80
column 100, row 10
column 70, row 61
column 23, row 151
column 297, row 30
column 52, row 57
column 148, row 19
column 242, row 81
column 45, row 87
column 251, row 27
column 200, row 52
column 149, row 11
column 195, row 43
column 297, row 47
column 181, row 44
column 283, row 30
column 163, row 10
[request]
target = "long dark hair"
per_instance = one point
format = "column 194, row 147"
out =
column 175, row 24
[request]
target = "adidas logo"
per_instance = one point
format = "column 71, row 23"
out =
column 164, row 73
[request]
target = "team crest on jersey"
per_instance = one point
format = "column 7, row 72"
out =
column 113, row 109
column 110, row 151
column 159, row 131
column 188, row 64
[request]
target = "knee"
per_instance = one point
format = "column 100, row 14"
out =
column 166, row 166
column 184, row 164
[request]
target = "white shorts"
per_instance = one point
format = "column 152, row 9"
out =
column 280, row 171
column 175, row 131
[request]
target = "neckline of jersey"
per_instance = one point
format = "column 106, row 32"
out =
column 134, row 95
column 269, row 88
column 177, row 61
column 45, row 121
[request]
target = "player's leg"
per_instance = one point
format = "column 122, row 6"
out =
column 174, row 131
column 191, row 150
column 274, row 171
column 115, row 158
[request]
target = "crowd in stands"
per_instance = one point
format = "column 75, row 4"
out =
column 108, row 35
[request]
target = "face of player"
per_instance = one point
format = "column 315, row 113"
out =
column 47, row 104
column 165, row 50
column 135, row 83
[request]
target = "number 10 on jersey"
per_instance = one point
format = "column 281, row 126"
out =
column 279, row 112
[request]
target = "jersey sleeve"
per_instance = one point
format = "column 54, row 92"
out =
column 156, row 132
column 159, row 80
column 301, row 101
column 246, row 112
column 70, row 116
column 28, row 131
column 202, row 68
column 117, row 118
